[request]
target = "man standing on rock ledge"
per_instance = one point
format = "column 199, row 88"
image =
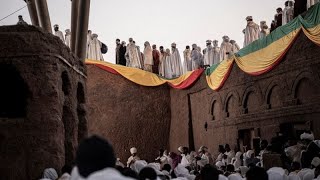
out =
column 58, row 33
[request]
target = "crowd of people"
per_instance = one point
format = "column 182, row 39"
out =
column 96, row 159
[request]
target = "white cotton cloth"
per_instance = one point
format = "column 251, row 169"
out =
column 68, row 38
column 235, row 176
column 315, row 162
column 181, row 171
column 243, row 170
column 50, row 173
column 187, row 60
column 94, row 50
column 107, row 173
column 208, row 58
column 304, row 171
column 294, row 176
column 168, row 69
column 307, row 136
column 219, row 164
column 275, row 176
column 133, row 150
column 230, row 155
column 133, row 56
column 65, row 176
column 176, row 64
column 294, row 152
column 249, row 153
column 148, row 58
column 237, row 161
column 251, row 33
column 137, row 166
column 184, row 161
column 308, row 176
column 225, row 47
column 60, row 35
column 222, row 177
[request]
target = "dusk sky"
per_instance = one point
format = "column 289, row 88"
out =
column 160, row 22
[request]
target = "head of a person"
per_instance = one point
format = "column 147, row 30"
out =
column 187, row 47
column 263, row 144
column 94, row 154
column 185, row 150
column 295, row 166
column 133, row 151
column 221, row 149
column 232, row 41
column 226, row 38
column 286, row 3
column 50, row 173
column 20, row 17
column 181, row 150
column 215, row 43
column 173, row 45
column 249, row 18
column 161, row 151
column 166, row 167
column 256, row 173
column 154, row 47
column 117, row 41
column 130, row 40
column 56, row 27
column 208, row 42
column 230, row 168
column 279, row 10
column 208, row 172
column 227, row 147
column 168, row 51
column 94, row 36
column 128, row 172
column 146, row 44
column 134, row 42
column 147, row 173
column 89, row 31
column 123, row 43
column 290, row 3
column 67, row 31
column 161, row 49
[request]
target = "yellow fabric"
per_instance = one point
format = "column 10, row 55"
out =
column 139, row 76
column 265, row 58
column 218, row 76
column 313, row 34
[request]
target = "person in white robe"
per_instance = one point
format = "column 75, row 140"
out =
column 58, row 33
column 200, row 59
column 264, row 29
column 235, row 47
column 177, row 69
column 168, row 70
column 187, row 59
column 288, row 12
column 133, row 156
column 89, row 39
column 216, row 52
column 132, row 55
column 311, row 3
column 195, row 56
column 251, row 33
column 94, row 50
column 68, row 37
column 148, row 58
column 140, row 55
column 208, row 59
column 225, row 48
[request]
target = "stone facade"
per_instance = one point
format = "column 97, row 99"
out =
column 285, row 100
column 127, row 114
column 43, row 105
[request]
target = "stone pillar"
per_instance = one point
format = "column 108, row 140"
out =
column 74, row 19
column 33, row 12
column 43, row 14
column 82, row 29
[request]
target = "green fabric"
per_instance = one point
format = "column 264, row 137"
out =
column 211, row 69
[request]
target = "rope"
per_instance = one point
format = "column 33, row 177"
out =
column 13, row 13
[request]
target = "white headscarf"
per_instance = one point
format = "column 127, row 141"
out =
column 304, row 172
column 249, row 153
column 181, row 171
column 308, row 176
column 50, row 173
column 307, row 136
column 137, row 166
column 222, row 177
column 294, row 177
column 277, row 172
column 133, row 150
column 243, row 170
column 235, row 176
column 315, row 162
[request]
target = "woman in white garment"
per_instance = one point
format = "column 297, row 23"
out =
column 168, row 65
column 148, row 58
column 94, row 50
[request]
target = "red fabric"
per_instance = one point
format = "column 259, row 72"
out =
column 191, row 79
column 156, row 61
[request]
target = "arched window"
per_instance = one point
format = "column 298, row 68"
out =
column 13, row 93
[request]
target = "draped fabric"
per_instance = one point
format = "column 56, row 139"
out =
column 263, row 55
column 255, row 59
column 145, row 78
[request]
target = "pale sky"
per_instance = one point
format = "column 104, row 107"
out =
column 160, row 22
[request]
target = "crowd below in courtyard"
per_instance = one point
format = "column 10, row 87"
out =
column 167, row 62
column 299, row 160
